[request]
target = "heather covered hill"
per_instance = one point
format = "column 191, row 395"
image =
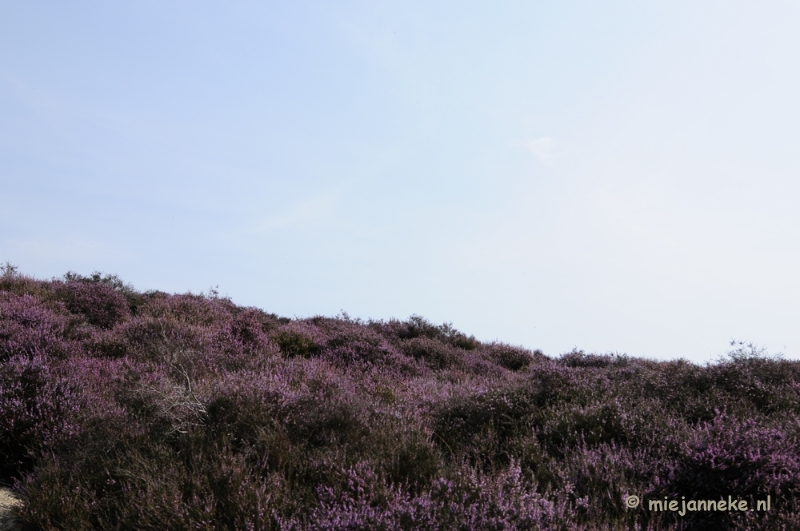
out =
column 122, row 410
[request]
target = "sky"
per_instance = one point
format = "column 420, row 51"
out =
column 613, row 177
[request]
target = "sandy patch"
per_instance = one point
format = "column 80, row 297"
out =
column 7, row 501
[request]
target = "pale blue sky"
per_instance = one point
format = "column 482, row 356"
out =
column 611, row 176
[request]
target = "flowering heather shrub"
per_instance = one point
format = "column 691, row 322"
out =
column 511, row 358
column 27, row 326
column 38, row 409
column 122, row 410
column 154, row 338
column 343, row 342
column 191, row 309
column 729, row 455
column 435, row 354
column 417, row 326
column 251, row 326
column 470, row 501
column 578, row 358
column 97, row 301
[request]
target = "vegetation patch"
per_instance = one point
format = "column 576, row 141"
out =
column 122, row 410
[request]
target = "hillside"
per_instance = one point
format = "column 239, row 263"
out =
column 123, row 410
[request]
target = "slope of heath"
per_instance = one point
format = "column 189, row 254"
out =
column 124, row 410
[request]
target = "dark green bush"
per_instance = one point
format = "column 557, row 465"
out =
column 294, row 344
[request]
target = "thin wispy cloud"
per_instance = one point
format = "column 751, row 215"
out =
column 300, row 214
column 71, row 249
column 544, row 149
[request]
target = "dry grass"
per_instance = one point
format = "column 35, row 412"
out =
column 7, row 501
